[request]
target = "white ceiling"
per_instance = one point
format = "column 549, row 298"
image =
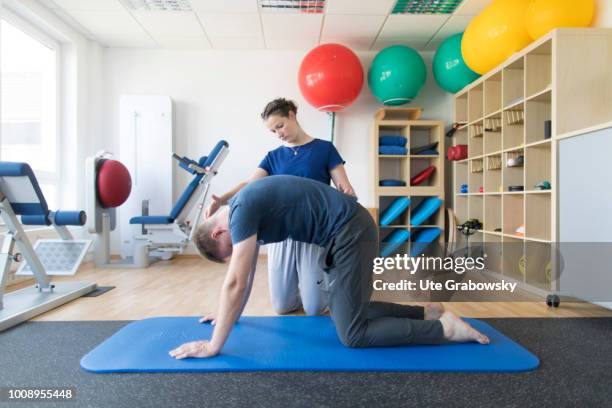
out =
column 240, row 25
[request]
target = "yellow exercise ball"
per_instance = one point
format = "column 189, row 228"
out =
column 545, row 15
column 495, row 34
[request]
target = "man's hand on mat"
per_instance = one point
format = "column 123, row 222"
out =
column 209, row 318
column 198, row 349
column 457, row 330
column 214, row 205
column 433, row 311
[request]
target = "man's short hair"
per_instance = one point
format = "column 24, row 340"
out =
column 206, row 245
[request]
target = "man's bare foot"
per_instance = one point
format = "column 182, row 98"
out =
column 433, row 311
column 457, row 330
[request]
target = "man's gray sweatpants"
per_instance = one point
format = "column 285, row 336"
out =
column 348, row 263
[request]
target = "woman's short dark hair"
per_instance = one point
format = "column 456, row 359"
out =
column 279, row 106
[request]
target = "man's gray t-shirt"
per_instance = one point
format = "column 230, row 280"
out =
column 280, row 207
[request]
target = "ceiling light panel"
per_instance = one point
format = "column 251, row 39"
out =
column 425, row 6
column 293, row 6
column 158, row 5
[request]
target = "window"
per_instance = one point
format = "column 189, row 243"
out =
column 29, row 62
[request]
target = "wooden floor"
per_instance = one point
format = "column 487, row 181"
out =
column 189, row 286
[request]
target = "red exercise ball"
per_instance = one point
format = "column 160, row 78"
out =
column 113, row 183
column 330, row 77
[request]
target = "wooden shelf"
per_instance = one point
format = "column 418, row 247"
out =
column 514, row 149
column 541, row 95
column 496, row 193
column 389, row 114
column 556, row 82
column 494, row 115
column 538, row 143
column 513, row 236
column 546, row 241
column 499, row 234
column 524, row 83
column 397, row 121
column 514, row 104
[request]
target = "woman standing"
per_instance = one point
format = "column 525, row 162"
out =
column 293, row 270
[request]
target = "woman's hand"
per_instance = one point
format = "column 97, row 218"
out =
column 347, row 189
column 341, row 181
column 208, row 318
column 197, row 349
column 215, row 204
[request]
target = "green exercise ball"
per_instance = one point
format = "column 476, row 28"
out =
column 449, row 68
column 396, row 75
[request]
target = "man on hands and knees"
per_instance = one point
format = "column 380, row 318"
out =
column 275, row 208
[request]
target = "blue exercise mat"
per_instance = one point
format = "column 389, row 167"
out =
column 292, row 343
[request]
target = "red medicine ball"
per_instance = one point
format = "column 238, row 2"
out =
column 113, row 183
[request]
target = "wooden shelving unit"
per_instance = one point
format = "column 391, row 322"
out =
column 405, row 122
column 561, row 79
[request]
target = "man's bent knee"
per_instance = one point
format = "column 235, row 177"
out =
column 353, row 340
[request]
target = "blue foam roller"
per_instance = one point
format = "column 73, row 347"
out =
column 394, row 240
column 425, row 210
column 422, row 239
column 70, row 217
column 293, row 343
column 389, row 140
column 397, row 207
column 35, row 220
column 395, row 150
column 392, row 183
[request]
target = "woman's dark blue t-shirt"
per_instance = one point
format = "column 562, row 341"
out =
column 313, row 160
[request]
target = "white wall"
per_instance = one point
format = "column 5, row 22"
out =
column 603, row 13
column 220, row 95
